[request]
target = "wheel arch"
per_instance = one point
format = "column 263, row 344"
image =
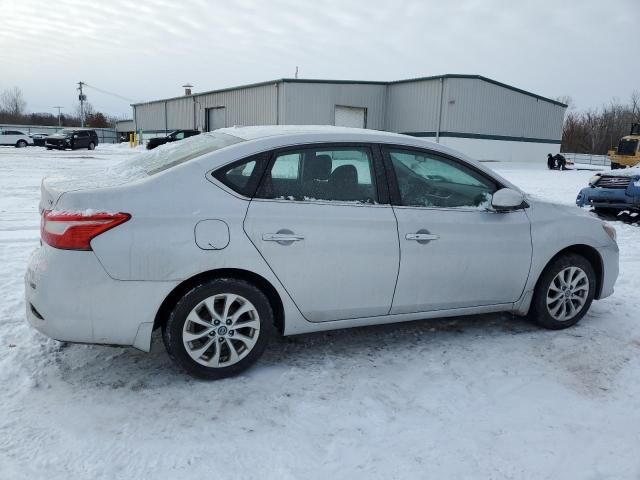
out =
column 260, row 282
column 590, row 254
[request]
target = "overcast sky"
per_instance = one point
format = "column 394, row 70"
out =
column 147, row 49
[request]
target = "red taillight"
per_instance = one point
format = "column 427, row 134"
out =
column 75, row 230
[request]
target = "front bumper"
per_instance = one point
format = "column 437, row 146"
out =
column 70, row 297
column 610, row 268
column 607, row 198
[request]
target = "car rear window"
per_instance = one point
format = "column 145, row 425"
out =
column 172, row 154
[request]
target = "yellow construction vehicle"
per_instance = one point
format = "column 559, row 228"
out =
column 628, row 152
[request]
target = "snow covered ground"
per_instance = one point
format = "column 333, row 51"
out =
column 482, row 397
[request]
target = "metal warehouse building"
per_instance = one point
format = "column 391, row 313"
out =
column 483, row 118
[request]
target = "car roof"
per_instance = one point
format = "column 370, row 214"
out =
column 284, row 134
column 262, row 131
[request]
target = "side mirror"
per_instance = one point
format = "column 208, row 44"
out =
column 507, row 199
column 75, row 136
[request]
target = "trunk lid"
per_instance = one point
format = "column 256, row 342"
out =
column 53, row 188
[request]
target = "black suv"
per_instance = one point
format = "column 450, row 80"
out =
column 72, row 138
column 172, row 137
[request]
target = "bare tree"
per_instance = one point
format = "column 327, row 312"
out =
column 12, row 102
column 598, row 130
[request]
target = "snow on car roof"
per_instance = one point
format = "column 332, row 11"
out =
column 257, row 132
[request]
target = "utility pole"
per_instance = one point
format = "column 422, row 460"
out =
column 82, row 97
column 296, row 75
column 58, row 107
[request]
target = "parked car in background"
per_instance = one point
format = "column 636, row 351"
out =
column 240, row 233
column 612, row 191
column 72, row 138
column 172, row 137
column 15, row 138
column 38, row 138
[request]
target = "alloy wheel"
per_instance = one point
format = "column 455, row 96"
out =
column 221, row 330
column 567, row 293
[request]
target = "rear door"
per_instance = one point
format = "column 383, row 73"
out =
column 322, row 222
column 455, row 252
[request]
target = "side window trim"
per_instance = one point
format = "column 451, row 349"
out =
column 377, row 163
column 394, row 188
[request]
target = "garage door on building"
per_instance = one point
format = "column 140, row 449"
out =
column 350, row 117
column 216, row 118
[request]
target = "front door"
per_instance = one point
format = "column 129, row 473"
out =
column 82, row 141
column 318, row 221
column 455, row 252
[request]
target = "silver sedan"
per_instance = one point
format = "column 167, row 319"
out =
column 230, row 237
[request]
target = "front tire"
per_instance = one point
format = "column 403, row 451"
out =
column 21, row 144
column 564, row 292
column 219, row 328
column 92, row 146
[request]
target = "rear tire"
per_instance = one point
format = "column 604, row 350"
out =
column 219, row 328
column 21, row 144
column 564, row 292
column 92, row 146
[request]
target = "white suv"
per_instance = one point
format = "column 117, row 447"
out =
column 15, row 137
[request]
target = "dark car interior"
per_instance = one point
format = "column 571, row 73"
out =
column 318, row 175
column 439, row 186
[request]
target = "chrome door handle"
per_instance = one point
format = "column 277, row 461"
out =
column 421, row 237
column 282, row 237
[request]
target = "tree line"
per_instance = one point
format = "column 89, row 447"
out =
column 13, row 110
column 597, row 130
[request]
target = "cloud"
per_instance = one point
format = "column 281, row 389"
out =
column 147, row 49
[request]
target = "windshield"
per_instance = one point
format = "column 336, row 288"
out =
column 172, row 154
column 66, row 131
column 627, row 147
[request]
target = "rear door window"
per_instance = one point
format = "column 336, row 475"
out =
column 341, row 174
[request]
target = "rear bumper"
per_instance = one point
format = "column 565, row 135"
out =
column 607, row 198
column 70, row 297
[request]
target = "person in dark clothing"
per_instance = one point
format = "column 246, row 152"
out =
column 551, row 162
column 561, row 162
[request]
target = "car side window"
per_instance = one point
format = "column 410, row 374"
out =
column 342, row 174
column 242, row 176
column 83, row 134
column 429, row 180
column 179, row 136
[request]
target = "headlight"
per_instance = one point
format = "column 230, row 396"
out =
column 593, row 180
column 611, row 231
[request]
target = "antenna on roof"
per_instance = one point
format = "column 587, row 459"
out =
column 296, row 75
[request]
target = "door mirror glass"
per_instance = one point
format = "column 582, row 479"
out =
column 75, row 136
column 507, row 199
